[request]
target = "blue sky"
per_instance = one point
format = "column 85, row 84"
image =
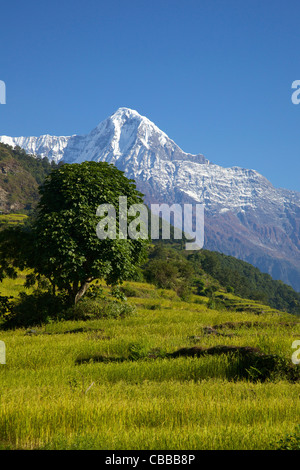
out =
column 215, row 75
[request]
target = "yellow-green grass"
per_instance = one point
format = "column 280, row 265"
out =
column 49, row 400
column 12, row 287
column 12, row 219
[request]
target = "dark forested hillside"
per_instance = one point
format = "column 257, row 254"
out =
column 170, row 265
column 246, row 280
column 20, row 176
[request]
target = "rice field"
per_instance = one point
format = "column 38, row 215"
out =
column 109, row 383
column 12, row 220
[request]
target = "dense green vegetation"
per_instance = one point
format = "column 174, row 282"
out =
column 20, row 176
column 205, row 272
column 246, row 280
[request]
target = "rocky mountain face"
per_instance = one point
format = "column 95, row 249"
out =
column 245, row 215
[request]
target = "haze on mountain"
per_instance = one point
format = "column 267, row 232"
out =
column 245, row 215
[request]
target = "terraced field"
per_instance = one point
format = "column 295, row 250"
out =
column 148, row 380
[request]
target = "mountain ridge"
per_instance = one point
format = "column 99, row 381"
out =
column 245, row 215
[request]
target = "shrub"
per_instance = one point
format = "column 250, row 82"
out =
column 88, row 308
column 290, row 441
column 35, row 309
column 163, row 274
column 214, row 304
column 200, row 286
column 209, row 291
column 184, row 292
column 129, row 291
column 118, row 293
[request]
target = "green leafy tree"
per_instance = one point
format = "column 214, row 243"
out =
column 61, row 243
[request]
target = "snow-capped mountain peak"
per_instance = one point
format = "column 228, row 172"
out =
column 122, row 135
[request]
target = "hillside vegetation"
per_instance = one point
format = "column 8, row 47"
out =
column 246, row 280
column 20, row 176
column 205, row 272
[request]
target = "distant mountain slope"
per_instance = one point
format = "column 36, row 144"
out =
column 171, row 266
column 20, row 177
column 246, row 280
column 245, row 215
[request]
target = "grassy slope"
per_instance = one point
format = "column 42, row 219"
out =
column 49, row 401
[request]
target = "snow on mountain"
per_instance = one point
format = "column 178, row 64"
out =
column 45, row 145
column 143, row 151
column 245, row 215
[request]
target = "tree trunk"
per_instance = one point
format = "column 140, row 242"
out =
column 83, row 288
